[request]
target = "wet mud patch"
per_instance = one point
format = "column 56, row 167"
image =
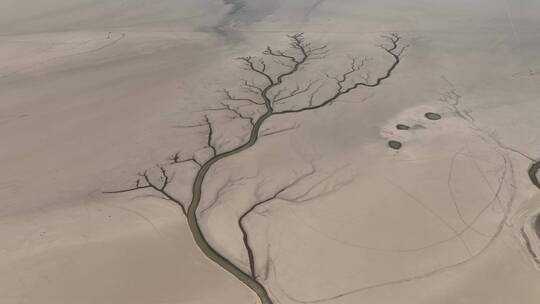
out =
column 432, row 116
column 394, row 144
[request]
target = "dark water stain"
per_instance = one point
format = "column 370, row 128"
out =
column 394, row 144
column 236, row 5
column 242, row 13
column 432, row 116
column 312, row 8
column 402, row 127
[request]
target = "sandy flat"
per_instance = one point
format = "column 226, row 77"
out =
column 92, row 92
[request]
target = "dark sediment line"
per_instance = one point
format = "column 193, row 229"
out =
column 533, row 176
column 533, row 170
column 529, row 247
column 537, row 226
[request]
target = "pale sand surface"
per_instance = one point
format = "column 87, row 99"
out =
column 91, row 92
